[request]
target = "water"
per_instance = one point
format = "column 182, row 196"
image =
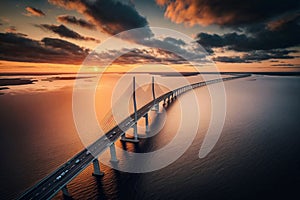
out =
column 256, row 157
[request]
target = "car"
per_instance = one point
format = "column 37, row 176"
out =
column 88, row 152
column 62, row 174
column 111, row 136
column 114, row 133
column 77, row 161
column 59, row 177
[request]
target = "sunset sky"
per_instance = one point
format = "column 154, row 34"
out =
column 57, row 35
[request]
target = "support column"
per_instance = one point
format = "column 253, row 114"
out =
column 97, row 171
column 123, row 136
column 65, row 191
column 113, row 155
column 147, row 122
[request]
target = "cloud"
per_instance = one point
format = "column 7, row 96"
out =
column 228, row 59
column 171, row 40
column 257, row 38
column 110, row 16
column 279, row 23
column 113, row 17
column 73, row 20
column 257, row 56
column 11, row 29
column 283, row 65
column 65, row 32
column 34, row 12
column 17, row 47
column 144, row 55
column 225, row 12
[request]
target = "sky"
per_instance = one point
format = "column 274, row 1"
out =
column 63, row 35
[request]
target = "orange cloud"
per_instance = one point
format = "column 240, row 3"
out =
column 161, row 2
column 224, row 12
column 34, row 12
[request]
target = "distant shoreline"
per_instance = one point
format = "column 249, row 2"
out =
column 153, row 73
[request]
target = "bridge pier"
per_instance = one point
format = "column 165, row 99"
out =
column 135, row 139
column 147, row 122
column 113, row 155
column 155, row 107
column 65, row 191
column 97, row 171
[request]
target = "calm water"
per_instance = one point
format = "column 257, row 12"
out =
column 256, row 157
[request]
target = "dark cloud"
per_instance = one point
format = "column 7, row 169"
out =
column 228, row 59
column 63, row 31
column 226, row 12
column 34, row 12
column 145, row 55
column 283, row 65
column 285, row 36
column 257, row 56
column 110, row 16
column 260, row 42
column 73, row 20
column 62, row 44
column 17, row 47
column 171, row 40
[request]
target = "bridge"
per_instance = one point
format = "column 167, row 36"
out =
column 49, row 186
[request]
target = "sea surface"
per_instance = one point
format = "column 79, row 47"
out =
column 256, row 157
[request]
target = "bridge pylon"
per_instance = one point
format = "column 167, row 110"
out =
column 156, row 104
column 135, row 130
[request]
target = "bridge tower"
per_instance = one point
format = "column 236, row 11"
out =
column 156, row 104
column 135, row 134
column 135, row 130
